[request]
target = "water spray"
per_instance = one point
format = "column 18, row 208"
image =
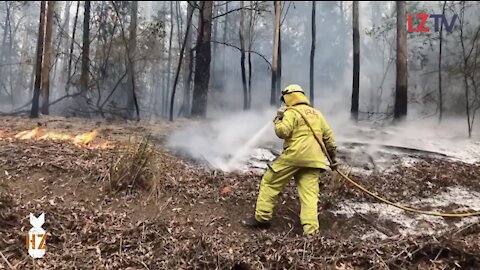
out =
column 233, row 162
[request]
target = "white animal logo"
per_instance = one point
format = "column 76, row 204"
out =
column 36, row 237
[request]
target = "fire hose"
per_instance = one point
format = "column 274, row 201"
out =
column 378, row 197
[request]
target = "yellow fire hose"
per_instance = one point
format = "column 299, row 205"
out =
column 380, row 198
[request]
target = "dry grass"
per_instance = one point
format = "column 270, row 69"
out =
column 335, row 183
column 132, row 167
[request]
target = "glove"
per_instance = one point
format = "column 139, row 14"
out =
column 280, row 113
column 333, row 156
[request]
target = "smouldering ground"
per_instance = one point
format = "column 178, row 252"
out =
column 191, row 221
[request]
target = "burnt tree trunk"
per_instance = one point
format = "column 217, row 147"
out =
column 225, row 37
column 440, row 95
column 242, row 58
column 131, row 50
column 47, row 58
column 253, row 15
column 187, row 68
column 202, row 63
column 356, row 63
column 38, row 73
column 276, row 37
column 401, row 98
column 312, row 55
column 213, row 71
column 85, row 49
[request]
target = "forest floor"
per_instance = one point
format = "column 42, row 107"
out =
column 179, row 215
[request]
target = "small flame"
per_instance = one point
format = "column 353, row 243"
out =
column 31, row 134
column 86, row 138
column 82, row 140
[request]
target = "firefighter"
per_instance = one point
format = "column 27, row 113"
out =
column 302, row 158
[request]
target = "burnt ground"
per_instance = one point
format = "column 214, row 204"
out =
column 187, row 217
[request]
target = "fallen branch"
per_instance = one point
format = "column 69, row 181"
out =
column 50, row 104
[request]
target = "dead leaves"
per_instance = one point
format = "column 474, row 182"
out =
column 196, row 227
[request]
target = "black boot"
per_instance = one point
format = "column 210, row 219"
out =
column 252, row 222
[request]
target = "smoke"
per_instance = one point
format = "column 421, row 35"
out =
column 333, row 58
column 216, row 141
column 219, row 139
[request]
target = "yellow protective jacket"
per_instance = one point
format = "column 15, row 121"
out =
column 300, row 147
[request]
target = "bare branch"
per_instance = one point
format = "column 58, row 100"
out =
column 238, row 48
column 233, row 10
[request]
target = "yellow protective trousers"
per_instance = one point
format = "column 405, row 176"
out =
column 272, row 184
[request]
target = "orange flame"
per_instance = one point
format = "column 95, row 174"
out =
column 82, row 140
column 31, row 134
column 86, row 138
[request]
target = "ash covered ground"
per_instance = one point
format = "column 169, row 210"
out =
column 185, row 214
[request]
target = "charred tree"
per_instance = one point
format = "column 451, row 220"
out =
column 276, row 38
column 202, row 63
column 253, row 15
column 85, row 49
column 187, row 68
column 38, row 73
column 312, row 54
column 47, row 58
column 131, row 51
column 242, row 58
column 356, row 63
column 440, row 95
column 225, row 37
column 401, row 97
column 213, row 71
